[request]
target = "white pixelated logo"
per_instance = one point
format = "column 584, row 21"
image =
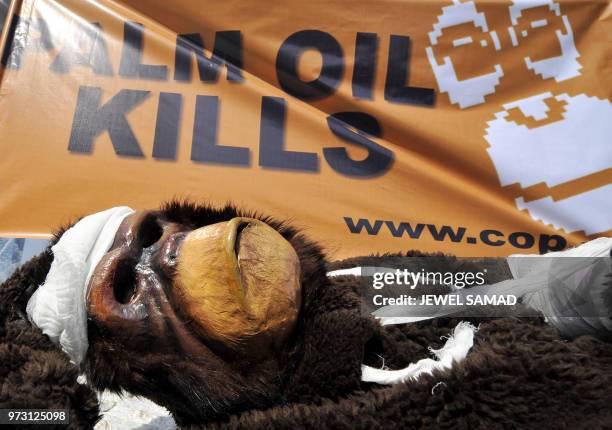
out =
column 576, row 144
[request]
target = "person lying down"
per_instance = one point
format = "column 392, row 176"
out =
column 232, row 319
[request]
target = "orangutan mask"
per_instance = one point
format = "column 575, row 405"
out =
column 231, row 286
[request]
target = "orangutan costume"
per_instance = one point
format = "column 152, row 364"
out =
column 229, row 319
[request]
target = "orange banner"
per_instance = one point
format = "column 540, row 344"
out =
column 469, row 127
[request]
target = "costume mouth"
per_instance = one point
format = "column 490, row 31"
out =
column 238, row 239
column 237, row 281
column 235, row 228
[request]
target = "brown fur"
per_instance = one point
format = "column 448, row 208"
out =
column 34, row 373
column 520, row 373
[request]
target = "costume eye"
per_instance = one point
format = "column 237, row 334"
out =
column 124, row 282
column 149, row 231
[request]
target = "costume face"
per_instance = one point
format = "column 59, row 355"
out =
column 192, row 304
column 236, row 282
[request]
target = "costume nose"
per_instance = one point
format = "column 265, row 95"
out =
column 141, row 261
column 153, row 241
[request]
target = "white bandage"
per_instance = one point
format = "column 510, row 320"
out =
column 58, row 306
column 454, row 351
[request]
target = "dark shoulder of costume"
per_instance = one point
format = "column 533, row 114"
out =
column 519, row 373
column 35, row 373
